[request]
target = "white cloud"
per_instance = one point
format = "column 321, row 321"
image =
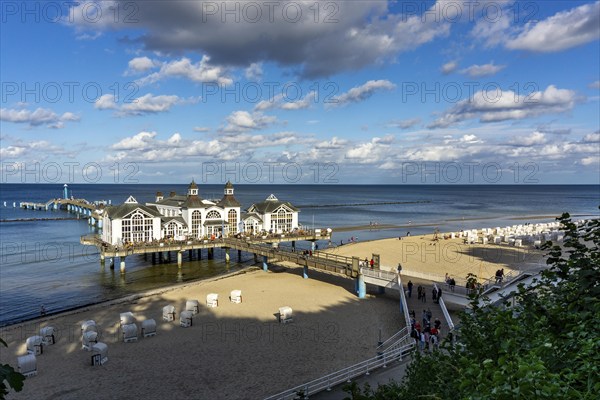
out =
column 362, row 92
column 492, row 106
column 591, row 160
column 40, row 116
column 535, row 138
column 141, row 141
column 146, row 104
column 333, row 143
column 595, row 85
column 564, row 30
column 241, row 121
column 477, row 71
column 200, row 72
column 280, row 102
column 592, row 137
column 201, row 129
column 375, row 151
column 140, row 64
column 106, row 102
column 449, row 67
column 254, row 72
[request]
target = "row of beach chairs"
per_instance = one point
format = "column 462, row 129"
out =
column 27, row 364
column 192, row 307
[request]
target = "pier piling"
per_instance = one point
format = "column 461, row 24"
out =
column 265, row 263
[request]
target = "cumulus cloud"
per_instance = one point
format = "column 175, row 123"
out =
column 38, row 117
column 493, row 106
column 141, row 141
column 140, row 64
column 449, row 67
column 362, row 92
column 370, row 31
column 254, row 72
column 478, row 71
column 563, row 30
column 200, row 72
column 280, row 102
column 242, row 121
column 146, row 104
column 534, row 139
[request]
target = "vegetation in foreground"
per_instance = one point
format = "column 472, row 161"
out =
column 545, row 347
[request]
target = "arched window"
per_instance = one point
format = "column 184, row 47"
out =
column 232, row 220
column 173, row 230
column 136, row 228
column 196, row 219
column 281, row 220
column 213, row 215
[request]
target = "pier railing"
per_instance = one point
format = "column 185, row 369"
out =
column 328, row 381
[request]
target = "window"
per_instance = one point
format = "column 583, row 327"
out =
column 196, row 220
column 173, row 230
column 281, row 220
column 232, row 220
column 213, row 215
column 137, row 228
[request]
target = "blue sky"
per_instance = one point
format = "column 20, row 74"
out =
column 301, row 92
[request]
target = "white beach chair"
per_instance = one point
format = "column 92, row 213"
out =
column 47, row 334
column 89, row 326
column 127, row 318
column 34, row 345
column 235, row 296
column 99, row 354
column 129, row 332
column 193, row 306
column 285, row 315
column 212, row 300
column 185, row 319
column 89, row 339
column 169, row 313
column 149, row 328
column 27, row 365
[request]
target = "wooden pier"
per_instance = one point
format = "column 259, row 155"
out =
column 265, row 247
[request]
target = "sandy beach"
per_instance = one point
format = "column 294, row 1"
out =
column 423, row 254
column 240, row 351
column 234, row 351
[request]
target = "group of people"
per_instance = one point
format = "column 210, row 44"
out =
column 426, row 336
column 451, row 282
column 368, row 264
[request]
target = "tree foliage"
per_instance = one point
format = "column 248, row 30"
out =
column 546, row 346
column 10, row 377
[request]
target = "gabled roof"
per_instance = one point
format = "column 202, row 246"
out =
column 269, row 205
column 166, row 220
column 248, row 215
column 120, row 211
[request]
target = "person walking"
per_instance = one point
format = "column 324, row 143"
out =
column 410, row 287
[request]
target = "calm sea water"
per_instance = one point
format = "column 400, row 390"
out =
column 42, row 262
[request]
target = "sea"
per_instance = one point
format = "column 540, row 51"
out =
column 43, row 263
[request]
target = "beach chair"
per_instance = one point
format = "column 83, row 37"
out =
column 88, row 340
column 27, row 365
column 129, row 333
column 285, row 315
column 99, row 354
column 235, row 296
column 149, row 328
column 89, row 325
column 193, row 306
column 34, row 345
column 169, row 313
column 47, row 335
column 212, row 300
column 127, row 318
column 185, row 319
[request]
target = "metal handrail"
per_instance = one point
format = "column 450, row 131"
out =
column 444, row 309
column 378, row 273
column 326, row 382
column 404, row 303
column 394, row 338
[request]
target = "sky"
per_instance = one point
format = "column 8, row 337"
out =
column 313, row 92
